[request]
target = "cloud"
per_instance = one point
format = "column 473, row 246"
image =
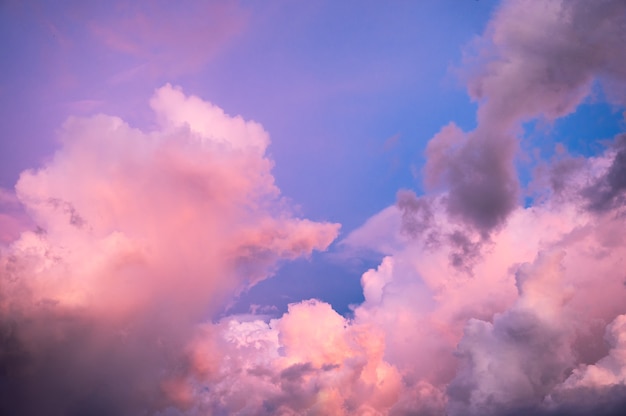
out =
column 140, row 236
column 310, row 360
column 500, row 341
column 608, row 191
column 478, row 170
column 516, row 336
column 520, row 296
column 168, row 41
column 480, row 306
column 523, row 354
column 534, row 308
column 536, row 59
column 609, row 370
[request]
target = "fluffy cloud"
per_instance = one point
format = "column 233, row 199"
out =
column 609, row 370
column 521, row 296
column 311, row 360
column 536, row 59
column 523, row 353
column 139, row 236
column 479, row 307
column 521, row 333
column 530, row 311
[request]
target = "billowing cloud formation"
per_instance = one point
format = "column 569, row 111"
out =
column 479, row 307
column 536, row 59
column 608, row 191
column 485, row 307
column 310, row 360
column 139, row 236
column 521, row 334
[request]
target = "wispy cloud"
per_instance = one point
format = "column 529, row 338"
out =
column 169, row 41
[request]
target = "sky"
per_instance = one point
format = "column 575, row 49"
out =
column 312, row 208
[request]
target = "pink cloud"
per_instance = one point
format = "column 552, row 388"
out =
column 517, row 324
column 514, row 293
column 140, row 235
column 310, row 360
column 532, row 307
column 479, row 307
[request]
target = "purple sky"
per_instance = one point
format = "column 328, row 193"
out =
column 420, row 153
column 350, row 92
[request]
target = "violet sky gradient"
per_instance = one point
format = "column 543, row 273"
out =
column 325, row 207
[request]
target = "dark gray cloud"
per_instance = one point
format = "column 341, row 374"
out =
column 537, row 59
column 608, row 191
column 482, row 183
column 519, row 358
column 417, row 214
column 560, row 173
column 418, row 222
column 464, row 250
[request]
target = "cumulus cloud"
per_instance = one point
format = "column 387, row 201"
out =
column 608, row 191
column 521, row 334
column 480, row 306
column 536, row 59
column 312, row 360
column 523, row 353
column 139, row 236
column 520, row 296
column 533, row 309
column 609, row 370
